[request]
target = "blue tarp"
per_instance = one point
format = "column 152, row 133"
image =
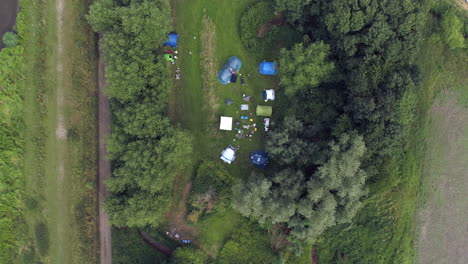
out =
column 259, row 159
column 172, row 42
column 234, row 64
column 268, row 68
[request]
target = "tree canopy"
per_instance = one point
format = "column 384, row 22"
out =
column 308, row 204
column 305, row 66
column 145, row 149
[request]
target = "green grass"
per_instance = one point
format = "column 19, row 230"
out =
column 65, row 205
column 189, row 92
column 216, row 227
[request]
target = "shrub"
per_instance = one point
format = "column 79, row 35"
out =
column 250, row 23
column 212, row 175
column 10, row 39
column 452, row 31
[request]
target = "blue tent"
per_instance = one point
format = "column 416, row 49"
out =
column 234, row 64
column 172, row 42
column 268, row 68
column 259, row 159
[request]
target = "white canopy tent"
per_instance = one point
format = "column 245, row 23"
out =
column 225, row 123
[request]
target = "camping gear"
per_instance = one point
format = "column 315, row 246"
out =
column 225, row 123
column 268, row 95
column 242, row 80
column 228, row 155
column 233, row 65
column 169, row 57
column 233, row 78
column 268, row 68
column 266, row 123
column 172, row 41
column 244, row 107
column 259, row 159
column 246, row 98
column 228, row 101
column 264, row 110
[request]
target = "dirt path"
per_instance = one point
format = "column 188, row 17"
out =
column 160, row 247
column 58, row 198
column 104, row 170
column 442, row 227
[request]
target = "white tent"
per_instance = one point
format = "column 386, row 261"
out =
column 269, row 95
column 225, row 123
column 228, row 155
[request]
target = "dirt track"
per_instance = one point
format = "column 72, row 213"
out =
column 104, row 164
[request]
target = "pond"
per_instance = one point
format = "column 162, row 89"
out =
column 8, row 11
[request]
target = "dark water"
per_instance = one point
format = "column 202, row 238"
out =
column 8, row 10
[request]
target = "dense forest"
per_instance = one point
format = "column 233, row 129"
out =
column 350, row 82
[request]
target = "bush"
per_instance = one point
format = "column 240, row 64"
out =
column 452, row 31
column 212, row 174
column 250, row 24
column 10, row 39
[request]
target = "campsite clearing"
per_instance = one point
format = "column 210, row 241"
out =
column 189, row 103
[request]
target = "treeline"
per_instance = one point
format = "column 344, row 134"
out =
column 11, row 144
column 146, row 151
column 351, row 88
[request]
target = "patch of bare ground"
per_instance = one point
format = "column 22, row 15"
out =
column 442, row 227
column 176, row 216
column 313, row 255
column 104, row 167
column 463, row 4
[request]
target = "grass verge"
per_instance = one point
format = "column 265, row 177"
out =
column 60, row 134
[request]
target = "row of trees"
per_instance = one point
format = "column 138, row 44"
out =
column 351, row 85
column 11, row 144
column 146, row 151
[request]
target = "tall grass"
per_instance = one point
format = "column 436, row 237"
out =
column 208, row 64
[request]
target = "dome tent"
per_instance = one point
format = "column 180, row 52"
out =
column 259, row 159
column 172, row 42
column 268, row 68
column 228, row 155
column 234, row 64
column 268, row 95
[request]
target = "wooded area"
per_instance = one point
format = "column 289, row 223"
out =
column 146, row 151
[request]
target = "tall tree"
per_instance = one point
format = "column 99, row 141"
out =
column 305, row 66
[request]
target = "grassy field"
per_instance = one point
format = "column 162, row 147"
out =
column 60, row 134
column 441, row 214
